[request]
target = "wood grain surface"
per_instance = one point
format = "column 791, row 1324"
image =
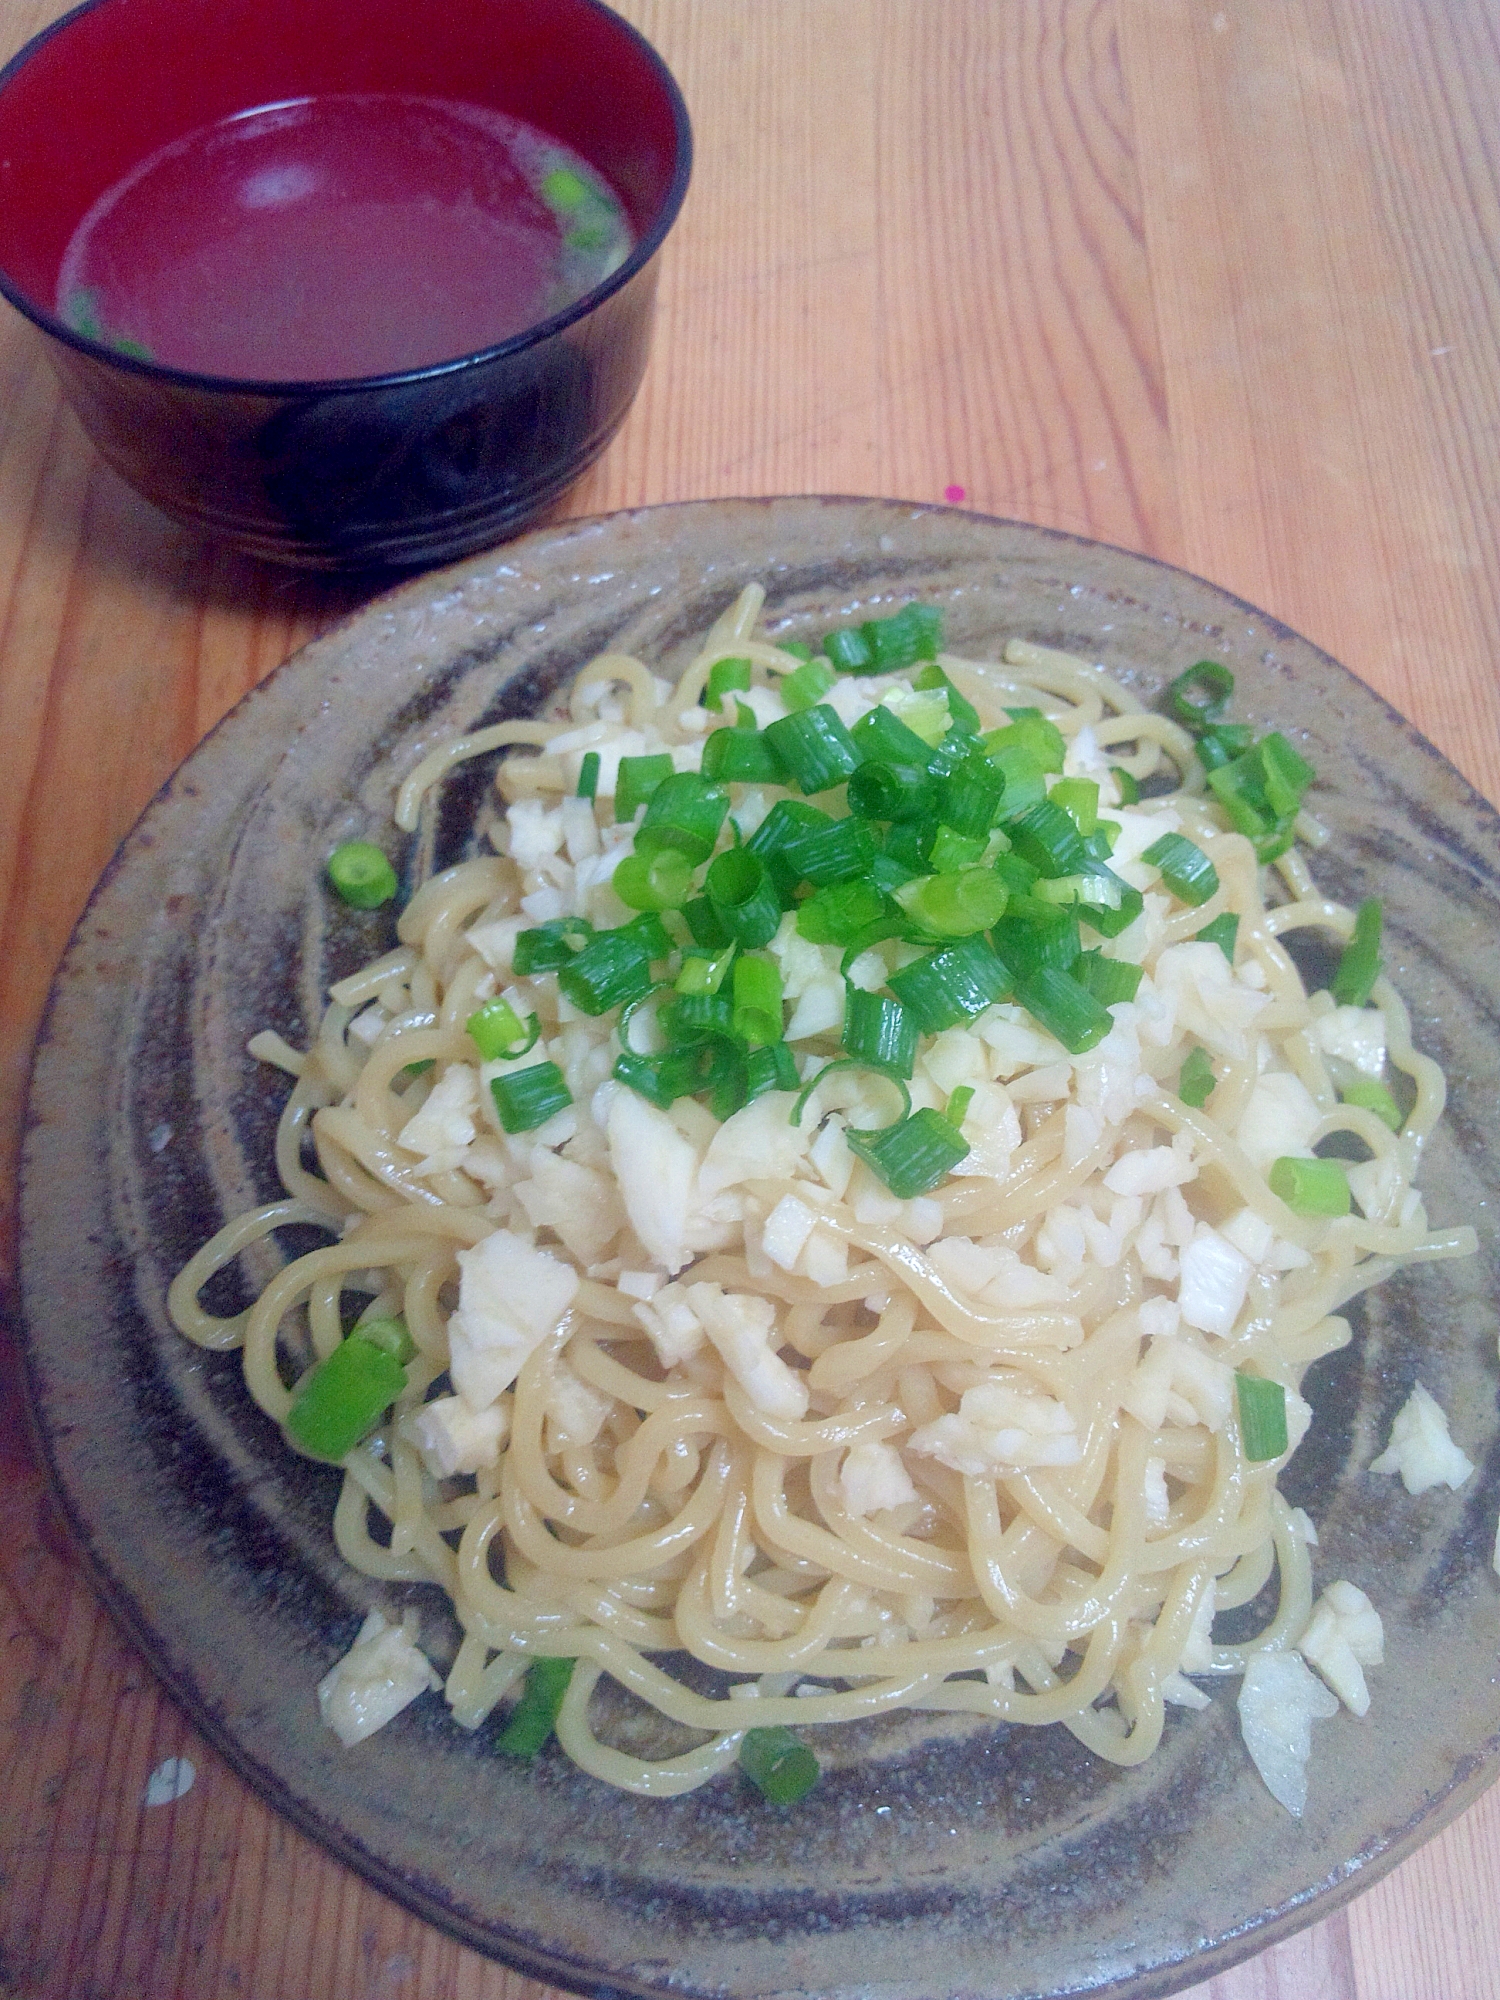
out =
column 1215, row 281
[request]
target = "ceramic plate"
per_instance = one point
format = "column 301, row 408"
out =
column 936, row 1858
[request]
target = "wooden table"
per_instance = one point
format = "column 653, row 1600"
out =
column 1217, row 282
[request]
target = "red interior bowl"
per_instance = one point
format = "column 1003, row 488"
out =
column 407, row 467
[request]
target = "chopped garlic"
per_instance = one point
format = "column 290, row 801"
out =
column 510, row 1297
column 741, row 1326
column 381, row 1673
column 454, row 1437
column 1357, row 1034
column 444, row 1127
column 1343, row 1636
column 1279, row 1702
column 1214, row 1279
column 873, row 1477
column 998, row 1428
column 1420, row 1448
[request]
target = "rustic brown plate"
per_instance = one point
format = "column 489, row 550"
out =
column 936, row 1859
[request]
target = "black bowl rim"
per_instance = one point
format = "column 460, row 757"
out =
column 532, row 336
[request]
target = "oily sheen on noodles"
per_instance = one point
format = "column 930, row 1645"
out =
column 693, row 1369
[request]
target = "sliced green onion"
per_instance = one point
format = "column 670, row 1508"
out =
column 725, row 677
column 956, row 1110
column 1196, row 1079
column 1311, row 1187
column 1105, row 902
column 1287, row 774
column 1185, row 868
column 850, row 651
column 695, row 1017
column 807, row 684
column 913, row 633
column 1263, row 1429
column 743, row 897
column 880, row 1032
column 924, row 711
column 1018, row 876
column 815, row 747
column 526, row 1098
column 953, row 985
column 564, row 189
column 900, row 793
column 703, row 921
column 420, row 1068
column 1101, row 842
column 971, row 795
column 1129, row 784
column 685, row 813
column 912, row 1156
column 534, row 1716
column 881, row 737
column 1065, row 1008
column 551, row 945
column 1360, row 962
column 1033, row 934
column 613, row 968
column 588, row 775
column 343, row 1398
column 771, row 1067
column 948, row 851
column 1223, row 743
column 648, row 931
column 361, row 874
column 955, row 905
column 841, row 912
column 841, row 851
column 1199, row 697
column 1368, row 1095
column 897, row 1083
column 390, row 1334
column 701, row 974
column 659, row 881
column 1025, row 779
column 1223, row 932
column 1045, row 836
column 741, row 757
column 1110, row 980
column 638, row 778
column 798, row 648
column 1030, row 730
column 757, row 1001
column 965, row 715
column 781, row 1768
column 1079, row 799
column 662, row 1079
column 496, row 1028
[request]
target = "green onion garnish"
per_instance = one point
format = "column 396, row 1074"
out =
column 850, row 651
column 1185, row 868
column 659, row 881
column 343, row 1398
column 362, row 875
column 965, row 715
column 948, row 851
column 955, row 905
column 1223, row 743
column 1046, row 836
column 1360, row 962
column 743, row 897
column 1031, row 731
column 771, row 1067
column 1196, row 1079
column 1130, row 790
column 807, row 684
column 724, row 677
column 1261, row 793
column 663, row 1078
column 1110, row 980
column 526, row 1098
column 741, row 757
column 841, row 912
column 1311, row 1187
column 534, row 1716
column 815, row 747
column 1263, row 1429
column 914, row 1154
column 638, row 778
column 914, row 633
column 1079, row 799
column 880, row 1032
column 613, row 968
column 781, row 1768
column 1223, row 931
column 1368, row 1095
column 881, row 737
column 1034, row 933
column 1025, row 779
column 1066, row 1008
column 956, row 1110
column 971, row 795
column 391, row 1334
column 703, row 974
column 551, row 945
column 1199, row 697
column 588, row 775
column 757, row 1001
column 496, row 1028
column 954, row 985
column 685, row 813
